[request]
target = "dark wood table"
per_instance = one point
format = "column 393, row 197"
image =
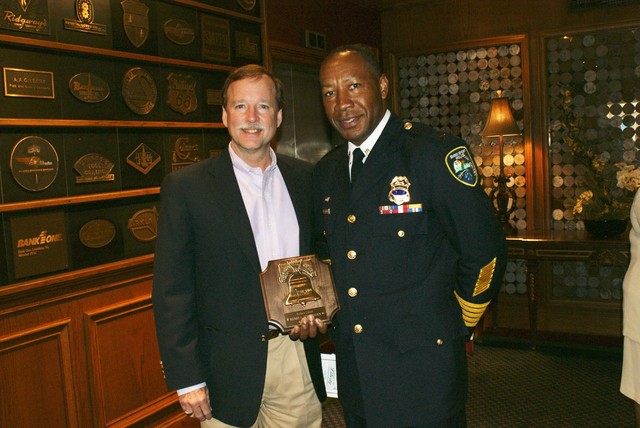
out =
column 536, row 247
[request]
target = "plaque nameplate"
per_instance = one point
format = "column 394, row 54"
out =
column 143, row 225
column 139, row 91
column 182, row 95
column 85, row 14
column 216, row 39
column 295, row 287
column 179, row 31
column 34, row 163
column 247, row 45
column 135, row 18
column 247, row 4
column 143, row 158
column 30, row 16
column 28, row 83
column 89, row 88
column 93, row 168
column 97, row 233
column 38, row 244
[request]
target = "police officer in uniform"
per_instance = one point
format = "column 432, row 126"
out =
column 416, row 250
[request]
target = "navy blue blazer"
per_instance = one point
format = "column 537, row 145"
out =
column 209, row 311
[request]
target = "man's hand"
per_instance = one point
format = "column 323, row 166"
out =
column 309, row 328
column 196, row 404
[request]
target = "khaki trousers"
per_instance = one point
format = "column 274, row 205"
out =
column 288, row 400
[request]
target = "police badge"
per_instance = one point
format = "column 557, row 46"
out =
column 399, row 193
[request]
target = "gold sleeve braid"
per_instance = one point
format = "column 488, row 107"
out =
column 472, row 312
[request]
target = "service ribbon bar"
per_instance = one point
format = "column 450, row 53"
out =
column 400, row 209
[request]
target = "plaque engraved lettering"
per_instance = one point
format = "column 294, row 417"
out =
column 139, row 91
column 185, row 153
column 182, row 95
column 34, row 163
column 28, row 83
column 143, row 158
column 135, row 18
column 143, row 225
column 93, row 168
column 216, row 39
column 85, row 14
column 30, row 16
column 97, row 233
column 89, row 88
column 38, row 243
column 247, row 45
column 179, row 31
column 295, row 287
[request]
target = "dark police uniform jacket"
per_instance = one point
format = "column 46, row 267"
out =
column 210, row 316
column 417, row 254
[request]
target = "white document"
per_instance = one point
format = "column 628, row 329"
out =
column 330, row 374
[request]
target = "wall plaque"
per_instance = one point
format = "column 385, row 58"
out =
column 247, row 45
column 179, row 31
column 28, row 83
column 139, row 91
column 93, row 168
column 30, row 16
column 143, row 225
column 89, row 88
column 97, row 233
column 186, row 151
column 85, row 14
column 182, row 95
column 216, row 39
column 135, row 18
column 38, row 243
column 34, row 163
column 143, row 158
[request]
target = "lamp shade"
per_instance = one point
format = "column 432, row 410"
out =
column 501, row 121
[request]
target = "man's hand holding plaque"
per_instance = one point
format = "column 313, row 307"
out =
column 299, row 295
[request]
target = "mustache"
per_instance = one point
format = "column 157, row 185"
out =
column 251, row 127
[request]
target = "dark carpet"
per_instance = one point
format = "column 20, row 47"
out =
column 554, row 386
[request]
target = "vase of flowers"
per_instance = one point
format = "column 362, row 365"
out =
column 606, row 188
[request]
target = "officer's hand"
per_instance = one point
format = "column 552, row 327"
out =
column 308, row 328
column 196, row 404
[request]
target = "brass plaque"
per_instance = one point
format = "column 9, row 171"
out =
column 216, row 39
column 214, row 97
column 38, row 243
column 247, row 4
column 34, row 163
column 185, row 152
column 135, row 18
column 93, row 168
column 97, row 233
column 247, row 45
column 85, row 14
column 139, row 91
column 143, row 158
column 143, row 225
column 295, row 287
column 28, row 83
column 30, row 16
column 182, row 95
column 89, row 88
column 179, row 31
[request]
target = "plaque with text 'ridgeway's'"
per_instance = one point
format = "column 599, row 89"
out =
column 295, row 287
column 29, row 16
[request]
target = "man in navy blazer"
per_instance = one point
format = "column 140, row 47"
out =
column 221, row 221
column 416, row 251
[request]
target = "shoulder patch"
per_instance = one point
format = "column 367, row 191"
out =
column 461, row 166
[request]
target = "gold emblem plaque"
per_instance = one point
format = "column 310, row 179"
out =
column 295, row 287
column 139, row 91
column 34, row 163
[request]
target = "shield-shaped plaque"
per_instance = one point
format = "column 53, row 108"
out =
column 135, row 18
column 295, row 287
column 182, row 93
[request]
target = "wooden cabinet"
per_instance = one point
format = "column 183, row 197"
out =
column 101, row 100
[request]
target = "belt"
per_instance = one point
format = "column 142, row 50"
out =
column 272, row 334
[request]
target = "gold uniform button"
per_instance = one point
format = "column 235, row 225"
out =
column 351, row 255
column 351, row 218
column 401, row 233
column 439, row 342
column 357, row 329
column 407, row 125
column 353, row 292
